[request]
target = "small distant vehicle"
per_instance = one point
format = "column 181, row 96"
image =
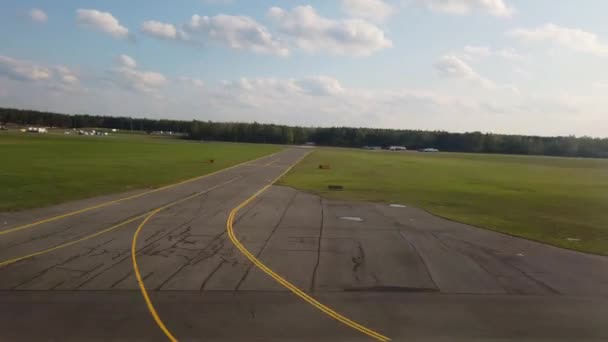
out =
column 397, row 148
column 429, row 150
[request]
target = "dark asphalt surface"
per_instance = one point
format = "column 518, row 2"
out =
column 400, row 271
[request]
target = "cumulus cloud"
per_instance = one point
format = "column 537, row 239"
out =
column 236, row 32
column 498, row 8
column 451, row 66
column 103, row 22
column 24, row 70
column 54, row 77
column 375, row 10
column 293, row 101
column 38, row 15
column 471, row 52
column 571, row 38
column 162, row 30
column 314, row 33
column 127, row 61
column 66, row 75
column 319, row 85
column 133, row 78
column 195, row 82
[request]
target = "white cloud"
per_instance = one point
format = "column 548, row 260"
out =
column 38, row 15
column 310, row 86
column 66, row 75
column 52, row 77
column 192, row 81
column 161, row 30
column 571, row 38
column 375, row 10
column 293, row 101
column 472, row 53
column 24, row 70
column 451, row 66
column 131, row 77
column 477, row 51
column 327, row 102
column 321, row 85
column 102, row 21
column 498, row 8
column 237, row 32
column 127, row 61
column 313, row 33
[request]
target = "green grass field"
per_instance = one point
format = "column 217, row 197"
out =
column 539, row 198
column 39, row 170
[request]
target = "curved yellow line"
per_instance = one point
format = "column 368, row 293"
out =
column 325, row 309
column 140, row 281
column 105, row 204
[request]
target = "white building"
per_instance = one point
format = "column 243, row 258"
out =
column 37, row 130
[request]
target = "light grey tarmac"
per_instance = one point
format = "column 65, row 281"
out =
column 400, row 271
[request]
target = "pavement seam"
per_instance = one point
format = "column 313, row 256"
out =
column 313, row 283
column 426, row 267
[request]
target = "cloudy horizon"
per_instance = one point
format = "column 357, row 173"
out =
column 500, row 66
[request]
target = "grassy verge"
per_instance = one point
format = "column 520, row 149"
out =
column 553, row 200
column 39, row 170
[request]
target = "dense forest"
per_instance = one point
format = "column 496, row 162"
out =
column 334, row 136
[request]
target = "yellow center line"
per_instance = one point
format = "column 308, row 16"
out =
column 105, row 204
column 272, row 162
column 107, row 230
column 325, row 309
column 140, row 282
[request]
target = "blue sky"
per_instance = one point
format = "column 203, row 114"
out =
column 508, row 66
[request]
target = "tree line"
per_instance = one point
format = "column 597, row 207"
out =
column 333, row 136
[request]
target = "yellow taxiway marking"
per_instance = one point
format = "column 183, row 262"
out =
column 107, row 230
column 272, row 162
column 325, row 309
column 105, row 204
column 140, row 280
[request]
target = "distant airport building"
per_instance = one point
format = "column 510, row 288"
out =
column 37, row 130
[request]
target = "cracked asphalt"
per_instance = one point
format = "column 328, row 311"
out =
column 403, row 272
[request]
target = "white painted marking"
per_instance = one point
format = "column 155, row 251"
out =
column 520, row 254
column 397, row 206
column 573, row 239
column 351, row 218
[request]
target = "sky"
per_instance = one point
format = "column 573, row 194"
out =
column 505, row 66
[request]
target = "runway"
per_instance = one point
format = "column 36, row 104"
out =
column 397, row 271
